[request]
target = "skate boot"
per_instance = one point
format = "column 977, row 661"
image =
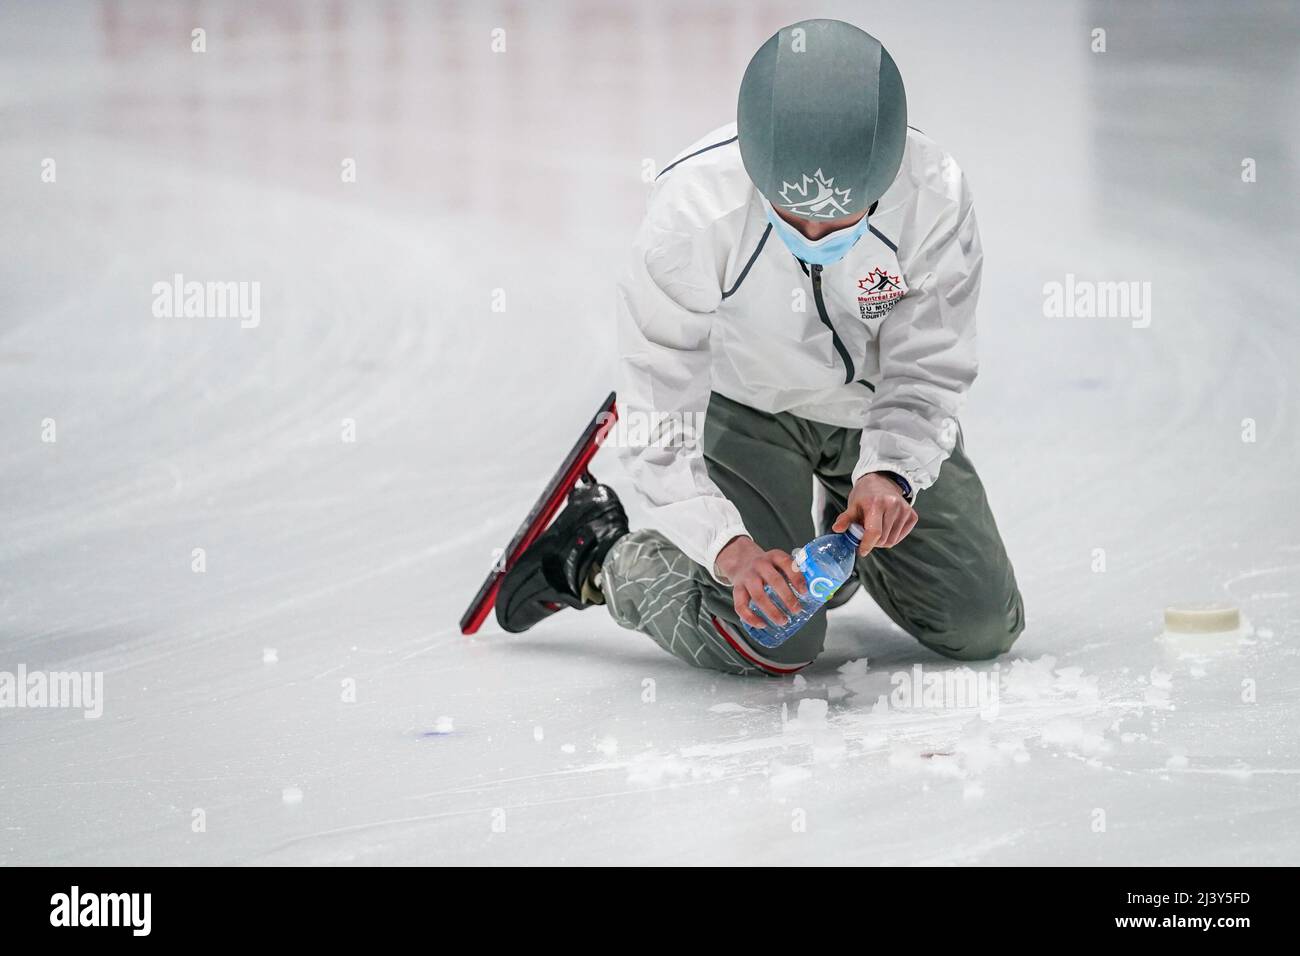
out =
column 561, row 567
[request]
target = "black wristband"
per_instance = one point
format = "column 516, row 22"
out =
column 903, row 485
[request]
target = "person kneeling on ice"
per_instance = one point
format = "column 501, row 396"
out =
column 820, row 192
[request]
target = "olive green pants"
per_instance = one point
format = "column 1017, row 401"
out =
column 949, row 583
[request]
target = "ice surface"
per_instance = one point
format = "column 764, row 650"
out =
column 1113, row 455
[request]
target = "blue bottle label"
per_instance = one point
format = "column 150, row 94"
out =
column 819, row 586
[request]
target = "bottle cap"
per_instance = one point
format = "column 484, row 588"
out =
column 855, row 532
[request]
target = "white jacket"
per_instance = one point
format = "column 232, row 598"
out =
column 714, row 301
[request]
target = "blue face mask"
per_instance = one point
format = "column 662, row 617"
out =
column 824, row 251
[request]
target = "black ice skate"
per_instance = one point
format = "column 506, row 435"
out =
column 559, row 569
column 572, row 471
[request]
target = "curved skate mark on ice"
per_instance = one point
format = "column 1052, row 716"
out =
column 178, row 480
column 973, row 852
column 489, row 785
column 255, row 434
column 1290, row 572
column 1239, row 773
column 484, row 810
column 403, row 562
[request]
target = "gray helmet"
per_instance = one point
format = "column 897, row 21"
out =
column 822, row 119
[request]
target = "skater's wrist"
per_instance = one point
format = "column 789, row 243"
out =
column 901, row 483
column 733, row 556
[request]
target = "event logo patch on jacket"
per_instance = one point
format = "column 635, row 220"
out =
column 878, row 292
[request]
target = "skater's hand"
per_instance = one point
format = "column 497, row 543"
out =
column 748, row 567
column 877, row 504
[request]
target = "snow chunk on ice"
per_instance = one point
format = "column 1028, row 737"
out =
column 976, row 749
column 973, row 753
column 270, row 655
column 651, row 770
column 853, row 668
column 730, row 707
column 811, row 715
column 291, row 795
column 1075, row 736
column 1072, row 680
column 1030, row 680
column 786, row 776
column 902, row 757
column 854, row 676
column 1157, row 693
column 444, row 725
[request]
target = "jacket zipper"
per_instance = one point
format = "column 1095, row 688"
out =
column 826, row 321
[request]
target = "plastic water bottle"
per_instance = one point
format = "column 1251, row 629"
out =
column 826, row 563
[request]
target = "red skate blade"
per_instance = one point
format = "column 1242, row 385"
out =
column 543, row 511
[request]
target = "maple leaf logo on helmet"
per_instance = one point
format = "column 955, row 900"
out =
column 825, row 201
